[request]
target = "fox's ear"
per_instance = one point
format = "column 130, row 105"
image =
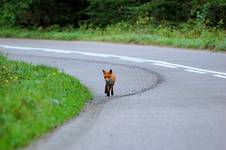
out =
column 110, row 71
column 104, row 71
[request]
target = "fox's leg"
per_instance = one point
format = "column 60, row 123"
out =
column 108, row 88
column 105, row 89
column 108, row 92
column 112, row 91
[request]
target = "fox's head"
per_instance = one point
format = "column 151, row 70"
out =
column 107, row 75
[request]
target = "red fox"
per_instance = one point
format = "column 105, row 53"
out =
column 109, row 82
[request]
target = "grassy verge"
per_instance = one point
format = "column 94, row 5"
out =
column 186, row 36
column 34, row 100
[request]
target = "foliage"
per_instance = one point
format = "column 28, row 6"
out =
column 105, row 12
column 187, row 19
column 184, row 35
column 211, row 13
column 33, row 100
column 41, row 12
column 9, row 10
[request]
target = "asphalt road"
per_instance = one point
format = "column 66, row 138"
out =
column 166, row 98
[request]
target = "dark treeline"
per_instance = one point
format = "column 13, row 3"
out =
column 45, row 13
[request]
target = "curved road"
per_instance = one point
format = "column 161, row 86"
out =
column 166, row 98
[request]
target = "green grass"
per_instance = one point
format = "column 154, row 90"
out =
column 34, row 100
column 186, row 36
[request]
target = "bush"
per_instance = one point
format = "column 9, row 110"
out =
column 26, row 13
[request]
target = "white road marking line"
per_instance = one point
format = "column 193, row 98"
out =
column 220, row 76
column 193, row 68
column 195, row 71
column 132, row 59
column 164, row 65
column 217, row 73
column 92, row 54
